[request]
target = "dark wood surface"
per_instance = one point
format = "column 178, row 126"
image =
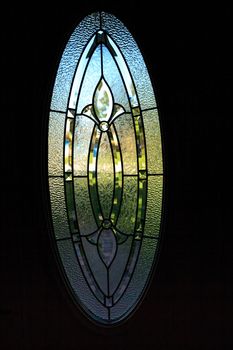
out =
column 189, row 304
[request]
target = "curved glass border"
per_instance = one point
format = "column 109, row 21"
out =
column 107, row 21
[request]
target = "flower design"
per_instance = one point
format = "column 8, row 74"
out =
column 103, row 110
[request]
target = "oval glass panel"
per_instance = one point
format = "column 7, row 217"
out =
column 105, row 169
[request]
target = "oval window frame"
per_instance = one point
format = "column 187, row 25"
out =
column 155, row 260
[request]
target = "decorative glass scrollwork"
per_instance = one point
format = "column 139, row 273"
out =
column 106, row 199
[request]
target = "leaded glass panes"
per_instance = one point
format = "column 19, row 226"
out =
column 105, row 169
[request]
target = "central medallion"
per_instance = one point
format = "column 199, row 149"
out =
column 104, row 126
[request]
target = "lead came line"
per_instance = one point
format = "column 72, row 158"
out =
column 118, row 179
column 56, row 111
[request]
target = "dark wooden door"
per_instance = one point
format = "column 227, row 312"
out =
column 188, row 305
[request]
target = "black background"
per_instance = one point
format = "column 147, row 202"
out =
column 189, row 304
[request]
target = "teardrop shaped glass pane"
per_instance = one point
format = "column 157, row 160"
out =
column 107, row 246
column 103, row 101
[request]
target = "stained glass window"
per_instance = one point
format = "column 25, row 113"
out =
column 105, row 169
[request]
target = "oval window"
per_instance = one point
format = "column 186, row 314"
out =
column 105, row 169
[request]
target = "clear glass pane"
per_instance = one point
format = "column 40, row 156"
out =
column 90, row 279
column 71, row 207
column 82, row 136
column 58, row 206
column 103, row 101
column 126, row 220
column 107, row 246
column 114, row 80
column 86, row 221
column 77, row 281
column 105, row 175
column 138, row 281
column 92, row 175
column 133, row 58
column 130, row 87
column 118, row 174
column 141, row 206
column 154, row 206
column 131, row 263
column 125, row 132
column 90, row 81
column 55, row 143
column 69, row 144
column 153, row 142
column 118, row 266
column 96, row 265
column 69, row 60
column 140, row 140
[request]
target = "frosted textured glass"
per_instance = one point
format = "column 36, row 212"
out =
column 125, row 131
column 78, row 282
column 81, row 67
column 126, row 220
column 55, row 143
column 154, row 206
column 109, row 207
column 139, row 280
column 117, row 268
column 114, row 80
column 96, row 265
column 153, row 141
column 105, row 175
column 90, row 82
column 133, row 58
column 82, row 136
column 86, row 220
column 70, row 57
column 58, row 206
